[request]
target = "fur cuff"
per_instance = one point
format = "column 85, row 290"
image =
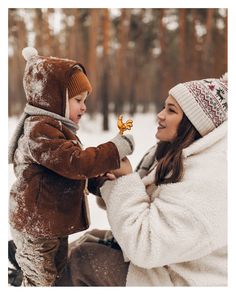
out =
column 121, row 184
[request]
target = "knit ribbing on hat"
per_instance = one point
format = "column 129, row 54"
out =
column 78, row 83
column 201, row 104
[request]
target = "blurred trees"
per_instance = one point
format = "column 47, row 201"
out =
column 132, row 56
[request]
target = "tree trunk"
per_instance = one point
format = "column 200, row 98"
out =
column 105, row 78
column 122, row 61
column 163, row 73
column 92, row 59
column 208, row 48
column 182, row 44
column 16, row 63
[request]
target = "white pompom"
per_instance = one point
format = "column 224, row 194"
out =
column 224, row 77
column 29, row 52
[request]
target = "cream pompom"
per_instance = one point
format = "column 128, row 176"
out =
column 224, row 77
column 29, row 52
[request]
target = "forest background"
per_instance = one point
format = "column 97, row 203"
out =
column 133, row 56
column 176, row 50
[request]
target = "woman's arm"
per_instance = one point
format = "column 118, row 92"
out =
column 152, row 234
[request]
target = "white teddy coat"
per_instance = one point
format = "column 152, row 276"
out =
column 177, row 235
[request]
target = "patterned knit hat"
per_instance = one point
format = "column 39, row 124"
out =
column 204, row 102
column 78, row 82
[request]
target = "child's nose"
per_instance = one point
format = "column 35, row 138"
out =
column 83, row 107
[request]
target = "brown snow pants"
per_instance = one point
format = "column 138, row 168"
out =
column 95, row 264
column 43, row 261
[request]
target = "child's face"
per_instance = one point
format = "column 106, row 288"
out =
column 77, row 107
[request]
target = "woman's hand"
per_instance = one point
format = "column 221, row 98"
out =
column 110, row 176
column 125, row 168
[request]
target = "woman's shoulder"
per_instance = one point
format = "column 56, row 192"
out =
column 213, row 142
column 147, row 159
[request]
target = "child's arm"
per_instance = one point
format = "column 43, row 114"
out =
column 94, row 185
column 50, row 148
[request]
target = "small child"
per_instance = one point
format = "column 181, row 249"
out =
column 48, row 198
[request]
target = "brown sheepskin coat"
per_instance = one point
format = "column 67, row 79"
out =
column 48, row 196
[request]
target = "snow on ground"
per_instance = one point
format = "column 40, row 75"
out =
column 91, row 134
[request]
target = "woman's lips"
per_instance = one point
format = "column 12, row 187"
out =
column 160, row 127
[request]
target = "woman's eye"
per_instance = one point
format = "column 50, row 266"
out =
column 171, row 110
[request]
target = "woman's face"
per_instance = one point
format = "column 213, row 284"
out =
column 168, row 120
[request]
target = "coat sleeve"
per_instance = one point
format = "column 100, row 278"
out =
column 49, row 148
column 152, row 233
column 94, row 185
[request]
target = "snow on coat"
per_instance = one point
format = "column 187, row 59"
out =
column 176, row 235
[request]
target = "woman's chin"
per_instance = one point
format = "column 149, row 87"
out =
column 157, row 136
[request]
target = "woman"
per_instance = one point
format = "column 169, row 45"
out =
column 170, row 217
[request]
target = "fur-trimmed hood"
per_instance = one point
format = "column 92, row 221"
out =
column 46, row 80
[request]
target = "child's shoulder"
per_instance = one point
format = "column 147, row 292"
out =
column 38, row 122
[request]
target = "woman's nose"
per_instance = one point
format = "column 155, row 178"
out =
column 160, row 115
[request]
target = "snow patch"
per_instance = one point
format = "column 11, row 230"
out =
column 35, row 82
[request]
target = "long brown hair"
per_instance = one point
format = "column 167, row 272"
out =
column 169, row 154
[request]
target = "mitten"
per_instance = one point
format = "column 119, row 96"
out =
column 124, row 144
